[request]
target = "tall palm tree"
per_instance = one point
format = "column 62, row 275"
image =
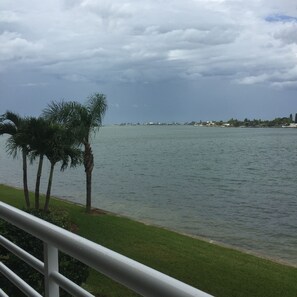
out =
column 61, row 148
column 82, row 120
column 13, row 125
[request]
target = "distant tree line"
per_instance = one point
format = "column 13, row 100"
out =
column 61, row 134
column 255, row 123
column 277, row 122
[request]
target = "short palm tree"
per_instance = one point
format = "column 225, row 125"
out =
column 61, row 148
column 14, row 125
column 38, row 131
column 82, row 120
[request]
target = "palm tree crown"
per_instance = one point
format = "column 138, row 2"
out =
column 14, row 125
column 81, row 120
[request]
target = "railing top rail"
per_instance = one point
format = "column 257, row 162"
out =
column 138, row 277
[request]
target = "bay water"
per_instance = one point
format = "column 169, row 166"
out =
column 235, row 186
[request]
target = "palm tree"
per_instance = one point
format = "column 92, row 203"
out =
column 83, row 120
column 13, row 125
column 38, row 131
column 61, row 148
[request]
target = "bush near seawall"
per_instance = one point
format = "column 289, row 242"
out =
column 220, row 271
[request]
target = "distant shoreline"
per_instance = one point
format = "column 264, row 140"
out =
column 197, row 125
column 279, row 122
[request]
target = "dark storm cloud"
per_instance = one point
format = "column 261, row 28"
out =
column 98, row 44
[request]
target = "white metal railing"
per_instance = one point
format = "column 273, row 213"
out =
column 138, row 277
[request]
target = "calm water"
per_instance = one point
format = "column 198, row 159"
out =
column 235, row 186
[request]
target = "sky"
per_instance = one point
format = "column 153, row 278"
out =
column 165, row 61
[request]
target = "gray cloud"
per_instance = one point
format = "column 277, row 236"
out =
column 127, row 40
column 81, row 44
column 15, row 47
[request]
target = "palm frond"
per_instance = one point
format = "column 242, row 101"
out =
column 11, row 147
column 97, row 107
column 73, row 157
column 7, row 128
column 80, row 119
column 12, row 117
column 60, row 112
column 32, row 156
column 15, row 126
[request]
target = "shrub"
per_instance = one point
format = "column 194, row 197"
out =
column 71, row 268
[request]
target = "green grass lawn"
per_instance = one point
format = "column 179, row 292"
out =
column 220, row 271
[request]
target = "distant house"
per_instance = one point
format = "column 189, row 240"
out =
column 210, row 123
column 292, row 125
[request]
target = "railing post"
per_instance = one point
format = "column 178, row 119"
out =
column 51, row 264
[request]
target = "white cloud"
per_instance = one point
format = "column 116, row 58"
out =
column 7, row 16
column 285, row 85
column 250, row 80
column 15, row 47
column 287, row 33
column 108, row 9
column 75, row 77
column 82, row 40
column 34, row 84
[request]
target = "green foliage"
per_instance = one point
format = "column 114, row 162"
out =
column 258, row 123
column 13, row 125
column 71, row 268
column 82, row 119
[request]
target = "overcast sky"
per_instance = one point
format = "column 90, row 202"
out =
column 177, row 60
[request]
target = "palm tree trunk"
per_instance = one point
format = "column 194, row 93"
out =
column 49, row 186
column 89, row 191
column 25, row 179
column 89, row 165
column 37, row 185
